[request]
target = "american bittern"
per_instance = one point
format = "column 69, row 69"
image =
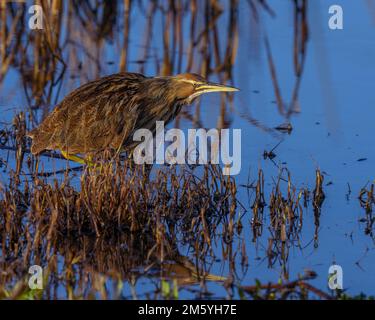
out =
column 106, row 112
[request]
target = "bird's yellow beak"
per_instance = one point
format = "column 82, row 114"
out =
column 214, row 87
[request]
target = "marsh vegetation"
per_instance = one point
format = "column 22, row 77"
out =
column 111, row 231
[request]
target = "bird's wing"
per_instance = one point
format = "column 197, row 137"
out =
column 92, row 116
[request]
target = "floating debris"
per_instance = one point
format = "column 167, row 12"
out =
column 286, row 127
column 270, row 154
column 367, row 202
column 297, row 289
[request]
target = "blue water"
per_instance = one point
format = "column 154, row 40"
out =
column 333, row 130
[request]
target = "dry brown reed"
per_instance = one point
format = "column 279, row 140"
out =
column 117, row 204
column 285, row 215
column 367, row 202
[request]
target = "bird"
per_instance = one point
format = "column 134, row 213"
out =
column 106, row 112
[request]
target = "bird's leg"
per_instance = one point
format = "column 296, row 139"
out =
column 76, row 158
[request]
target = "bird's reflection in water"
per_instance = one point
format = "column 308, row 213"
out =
column 126, row 258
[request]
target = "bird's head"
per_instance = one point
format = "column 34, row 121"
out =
column 189, row 86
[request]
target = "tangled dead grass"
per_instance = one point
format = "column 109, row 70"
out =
column 115, row 202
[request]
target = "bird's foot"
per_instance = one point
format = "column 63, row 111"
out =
column 77, row 159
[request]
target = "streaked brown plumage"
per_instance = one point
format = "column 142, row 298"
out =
column 106, row 112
